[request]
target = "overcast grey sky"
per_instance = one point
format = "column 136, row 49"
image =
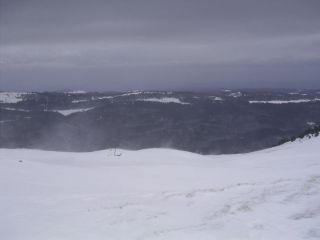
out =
column 159, row 44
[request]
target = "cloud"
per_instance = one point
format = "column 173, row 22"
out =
column 158, row 37
column 130, row 53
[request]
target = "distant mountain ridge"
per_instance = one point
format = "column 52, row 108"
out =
column 216, row 122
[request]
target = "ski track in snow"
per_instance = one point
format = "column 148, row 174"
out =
column 161, row 194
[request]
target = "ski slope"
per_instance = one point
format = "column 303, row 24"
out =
column 161, row 194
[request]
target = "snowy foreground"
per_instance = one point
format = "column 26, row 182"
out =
column 161, row 194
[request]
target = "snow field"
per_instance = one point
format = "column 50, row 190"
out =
column 161, row 194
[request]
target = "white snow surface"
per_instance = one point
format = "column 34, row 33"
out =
column 11, row 97
column 161, row 194
column 287, row 101
column 310, row 123
column 15, row 109
column 105, row 97
column 214, row 98
column 76, row 92
column 135, row 92
column 132, row 93
column 164, row 100
column 236, row 94
column 66, row 112
column 80, row 100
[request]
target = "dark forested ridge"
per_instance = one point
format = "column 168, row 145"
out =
column 214, row 122
column 313, row 131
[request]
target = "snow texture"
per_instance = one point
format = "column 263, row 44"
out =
column 76, row 92
column 161, row 194
column 135, row 92
column 15, row 109
column 80, row 100
column 236, row 94
column 67, row 112
column 164, row 100
column 105, row 97
column 287, row 101
column 311, row 124
column 11, row 97
column 214, row 98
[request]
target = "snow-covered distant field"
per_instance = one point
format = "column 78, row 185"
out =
column 12, row 97
column 287, row 101
column 164, row 100
column 272, row 194
column 66, row 112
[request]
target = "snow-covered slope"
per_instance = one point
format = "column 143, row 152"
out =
column 12, row 97
column 161, row 194
column 66, row 112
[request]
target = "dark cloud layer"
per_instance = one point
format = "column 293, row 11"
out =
column 159, row 44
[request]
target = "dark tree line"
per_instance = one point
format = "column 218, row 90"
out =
column 313, row 131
